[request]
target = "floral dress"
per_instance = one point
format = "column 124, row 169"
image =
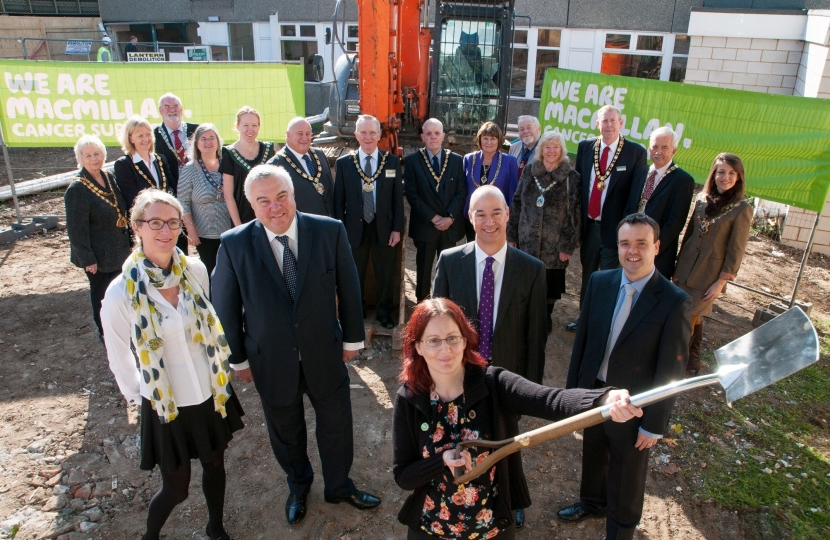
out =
column 463, row 511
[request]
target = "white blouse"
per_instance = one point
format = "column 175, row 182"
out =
column 185, row 361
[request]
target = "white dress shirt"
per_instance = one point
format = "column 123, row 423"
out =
column 279, row 250
column 151, row 166
column 612, row 149
column 498, row 274
column 299, row 157
column 185, row 361
column 182, row 129
column 661, row 172
column 361, row 155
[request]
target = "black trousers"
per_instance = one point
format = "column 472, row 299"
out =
column 613, row 476
column 207, row 250
column 98, row 283
column 424, row 259
column 594, row 256
column 383, row 259
column 469, row 229
column 287, row 432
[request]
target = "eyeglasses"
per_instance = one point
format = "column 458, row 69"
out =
column 207, row 139
column 452, row 341
column 158, row 224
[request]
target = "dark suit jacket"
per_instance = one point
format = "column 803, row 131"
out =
column 348, row 198
column 520, row 333
column 308, row 200
column 651, row 350
column 130, row 182
column 164, row 150
column 425, row 203
column 632, row 156
column 668, row 206
column 263, row 326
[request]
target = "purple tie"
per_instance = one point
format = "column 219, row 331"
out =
column 485, row 310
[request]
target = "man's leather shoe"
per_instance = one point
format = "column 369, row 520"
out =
column 520, row 518
column 295, row 508
column 571, row 327
column 576, row 513
column 386, row 322
column 359, row 499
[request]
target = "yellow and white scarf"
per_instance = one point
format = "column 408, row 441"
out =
column 140, row 273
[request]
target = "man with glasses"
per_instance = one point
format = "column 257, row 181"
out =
column 502, row 290
column 173, row 135
column 530, row 130
column 368, row 199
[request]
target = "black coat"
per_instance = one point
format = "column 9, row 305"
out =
column 164, row 150
column 520, row 334
column 130, row 182
column 308, row 200
column 348, row 198
column 669, row 207
column 632, row 156
column 425, row 203
column 651, row 350
column 498, row 398
column 263, row 326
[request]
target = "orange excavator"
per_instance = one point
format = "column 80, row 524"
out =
column 405, row 71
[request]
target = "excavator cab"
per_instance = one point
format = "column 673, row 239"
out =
column 471, row 66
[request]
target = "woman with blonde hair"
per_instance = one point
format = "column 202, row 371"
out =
column 238, row 159
column 714, row 243
column 202, row 195
column 544, row 217
column 141, row 167
column 159, row 305
column 96, row 222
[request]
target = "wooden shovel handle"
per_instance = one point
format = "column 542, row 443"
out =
column 526, row 440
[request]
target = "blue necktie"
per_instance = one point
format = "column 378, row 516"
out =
column 312, row 167
column 436, row 165
column 289, row 267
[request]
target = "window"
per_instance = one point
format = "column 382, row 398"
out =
column 351, row 42
column 680, row 58
column 307, row 31
column 518, row 77
column 632, row 55
column 288, row 30
column 241, row 37
column 294, row 51
column 547, row 56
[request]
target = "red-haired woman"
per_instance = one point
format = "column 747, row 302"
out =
column 450, row 394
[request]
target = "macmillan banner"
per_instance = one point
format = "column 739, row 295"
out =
column 54, row 103
column 784, row 141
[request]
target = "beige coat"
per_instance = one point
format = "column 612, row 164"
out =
column 705, row 258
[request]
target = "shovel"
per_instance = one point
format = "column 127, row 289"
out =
column 766, row 355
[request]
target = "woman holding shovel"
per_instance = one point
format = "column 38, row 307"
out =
column 449, row 395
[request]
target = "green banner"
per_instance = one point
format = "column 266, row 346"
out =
column 54, row 103
column 782, row 140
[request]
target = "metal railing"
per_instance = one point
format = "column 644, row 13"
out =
column 84, row 48
column 87, row 8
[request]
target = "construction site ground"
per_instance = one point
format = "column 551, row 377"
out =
column 64, row 422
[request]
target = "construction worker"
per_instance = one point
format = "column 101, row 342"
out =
column 104, row 53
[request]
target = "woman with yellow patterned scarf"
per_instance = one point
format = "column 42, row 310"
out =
column 189, row 410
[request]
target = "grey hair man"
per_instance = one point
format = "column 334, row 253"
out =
column 172, row 136
column 525, row 148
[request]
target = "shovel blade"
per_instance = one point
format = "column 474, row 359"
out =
column 771, row 352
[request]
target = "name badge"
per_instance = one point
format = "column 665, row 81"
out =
column 620, row 168
column 390, row 173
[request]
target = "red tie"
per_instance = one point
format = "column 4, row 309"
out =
column 649, row 189
column 180, row 153
column 595, row 203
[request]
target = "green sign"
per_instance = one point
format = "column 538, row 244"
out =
column 782, row 140
column 197, row 55
column 54, row 103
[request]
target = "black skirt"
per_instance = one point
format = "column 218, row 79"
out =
column 555, row 282
column 198, row 432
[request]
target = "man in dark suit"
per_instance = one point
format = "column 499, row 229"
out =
column 278, row 287
column 607, row 165
column 368, row 199
column 530, row 130
column 436, row 189
column 172, row 136
column 663, row 192
column 502, row 290
column 633, row 333
column 309, row 170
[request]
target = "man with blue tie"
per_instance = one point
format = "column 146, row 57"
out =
column 633, row 332
column 436, row 189
column 530, row 130
column 285, row 288
column 308, row 168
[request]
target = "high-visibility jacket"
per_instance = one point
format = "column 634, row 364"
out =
column 104, row 54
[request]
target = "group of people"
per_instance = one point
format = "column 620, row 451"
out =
column 277, row 298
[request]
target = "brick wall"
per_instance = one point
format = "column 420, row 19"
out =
column 758, row 65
